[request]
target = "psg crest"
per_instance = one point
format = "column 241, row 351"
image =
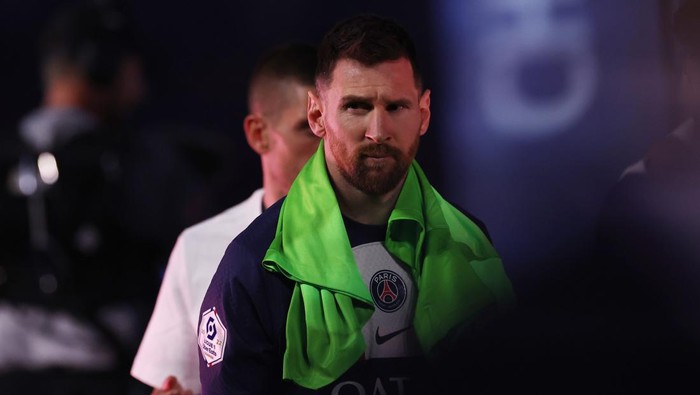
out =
column 388, row 291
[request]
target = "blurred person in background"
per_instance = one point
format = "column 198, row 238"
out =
column 277, row 130
column 649, row 233
column 72, row 288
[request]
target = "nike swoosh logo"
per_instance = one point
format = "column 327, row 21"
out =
column 383, row 339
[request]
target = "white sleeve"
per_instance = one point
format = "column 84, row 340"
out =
column 169, row 346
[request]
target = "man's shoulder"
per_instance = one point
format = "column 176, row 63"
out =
column 253, row 242
column 473, row 218
column 241, row 271
column 228, row 223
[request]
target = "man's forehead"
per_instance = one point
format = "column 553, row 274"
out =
column 394, row 77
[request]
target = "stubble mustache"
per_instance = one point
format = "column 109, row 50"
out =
column 378, row 150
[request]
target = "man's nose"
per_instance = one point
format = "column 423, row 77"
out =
column 377, row 127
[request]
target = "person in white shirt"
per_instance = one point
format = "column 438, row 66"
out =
column 277, row 129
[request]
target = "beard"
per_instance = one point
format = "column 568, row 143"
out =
column 372, row 177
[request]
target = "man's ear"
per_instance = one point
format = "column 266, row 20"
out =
column 314, row 115
column 256, row 133
column 424, row 106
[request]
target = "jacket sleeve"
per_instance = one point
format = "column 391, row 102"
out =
column 238, row 338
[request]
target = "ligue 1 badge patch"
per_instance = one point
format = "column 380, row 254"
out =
column 388, row 291
column 212, row 337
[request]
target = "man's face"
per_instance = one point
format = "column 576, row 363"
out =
column 291, row 142
column 371, row 118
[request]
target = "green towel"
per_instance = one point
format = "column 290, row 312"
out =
column 456, row 270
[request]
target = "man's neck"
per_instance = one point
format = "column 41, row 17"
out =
column 272, row 190
column 269, row 198
column 361, row 207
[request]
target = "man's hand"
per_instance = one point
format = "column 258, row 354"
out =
column 171, row 387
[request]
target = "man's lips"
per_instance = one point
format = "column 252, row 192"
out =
column 376, row 161
column 378, row 154
column 375, row 156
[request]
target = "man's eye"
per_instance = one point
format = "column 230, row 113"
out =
column 396, row 107
column 358, row 106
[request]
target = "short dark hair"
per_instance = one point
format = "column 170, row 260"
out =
column 295, row 62
column 368, row 39
column 92, row 38
column 686, row 24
